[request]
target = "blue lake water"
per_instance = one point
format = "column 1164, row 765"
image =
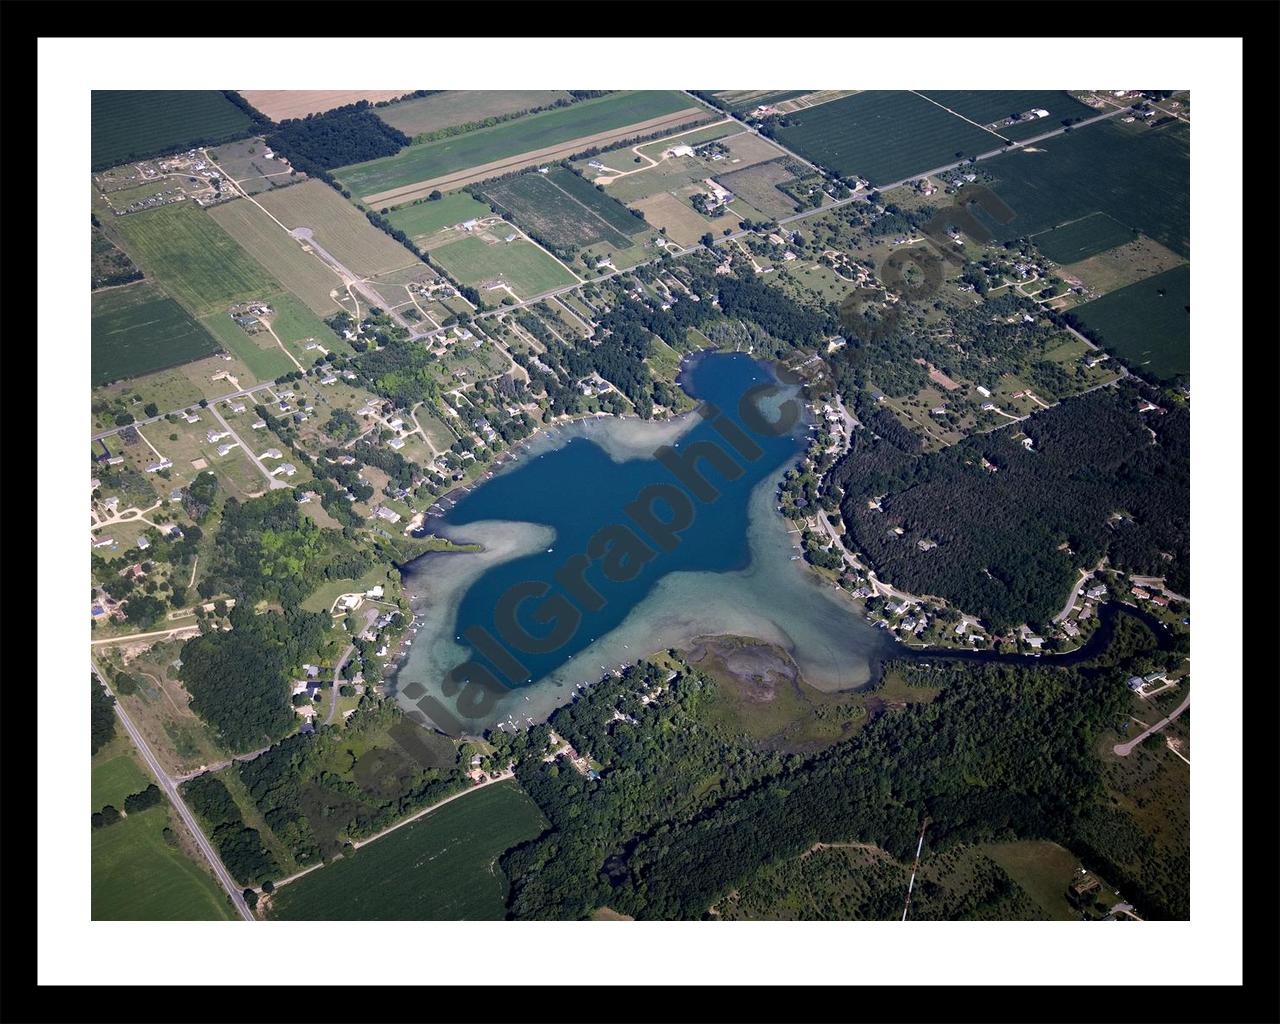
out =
column 637, row 584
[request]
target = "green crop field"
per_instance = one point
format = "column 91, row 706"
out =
column 137, row 876
column 565, row 210
column 458, row 107
column 442, row 867
column 302, row 273
column 520, row 264
column 1147, row 324
column 1140, row 176
column 988, row 106
column 758, row 186
column 115, row 779
column 1083, row 238
column 883, row 136
column 183, row 248
column 137, row 330
column 133, row 124
column 538, row 131
column 421, row 220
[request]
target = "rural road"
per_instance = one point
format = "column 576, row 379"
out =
column 171, row 790
column 273, row 483
column 337, row 680
column 129, row 637
column 1125, row 749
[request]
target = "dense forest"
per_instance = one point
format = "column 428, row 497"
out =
column 239, row 681
column 345, row 135
column 1100, row 478
column 682, row 812
column 239, row 846
column 102, row 714
column 317, row 793
column 268, row 550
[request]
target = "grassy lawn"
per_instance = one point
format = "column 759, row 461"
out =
column 137, row 876
column 442, row 867
column 1043, row 870
column 322, row 599
column 115, row 779
column 520, row 264
column 421, row 220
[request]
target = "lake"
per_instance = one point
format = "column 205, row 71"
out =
column 607, row 540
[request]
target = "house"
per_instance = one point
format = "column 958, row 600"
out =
column 983, row 391
column 287, row 468
column 224, row 448
column 389, row 514
column 175, row 495
column 1139, row 593
column 143, row 543
column 311, row 346
column 217, row 435
column 1160, row 600
column 469, row 225
column 396, row 423
column 115, row 460
column 681, row 150
column 191, row 417
column 1135, row 683
column 877, row 396
column 396, row 442
column 298, row 687
column 988, row 406
column 260, row 424
column 104, row 542
column 1035, row 642
column 374, row 592
column 350, row 601
column 329, row 379
column 1096, row 592
column 304, row 498
column 155, row 467
column 236, row 406
column 307, row 711
column 270, row 453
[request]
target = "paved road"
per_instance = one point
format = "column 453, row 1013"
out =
column 171, row 790
column 1125, row 749
column 337, row 681
column 273, row 483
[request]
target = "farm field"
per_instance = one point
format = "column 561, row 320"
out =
column 1122, row 265
column 505, row 147
column 284, row 104
column 441, row 867
column 463, row 106
column 565, row 210
column 132, row 124
column 304, row 274
column 114, row 779
column 883, row 136
column 109, row 266
column 684, row 224
column 341, row 229
column 137, row 876
column 757, row 185
column 521, row 265
column 743, row 101
column 184, row 249
column 990, row 106
column 1146, row 324
column 137, row 330
column 1083, row 238
column 1140, row 176
column 422, row 221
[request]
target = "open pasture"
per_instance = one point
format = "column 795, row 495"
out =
column 245, row 161
column 424, row 221
column 455, row 107
column 758, row 186
column 519, row 265
column 883, row 136
column 1139, row 176
column 132, row 124
column 303, row 273
column 342, row 230
column 184, row 249
column 137, row 330
column 1122, row 265
column 506, row 147
column 1146, row 324
column 138, row 876
column 442, row 867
